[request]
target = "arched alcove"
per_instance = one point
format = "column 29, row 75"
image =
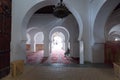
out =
column 41, row 4
column 62, row 33
column 39, row 41
column 114, row 33
column 99, row 29
column 24, row 15
column 57, row 41
column 32, row 31
column 60, row 28
column 100, row 21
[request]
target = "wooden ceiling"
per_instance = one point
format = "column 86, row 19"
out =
column 45, row 10
column 117, row 7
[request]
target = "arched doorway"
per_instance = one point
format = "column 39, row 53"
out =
column 58, row 41
column 99, row 31
column 59, row 34
column 59, row 44
column 38, row 47
column 57, row 47
column 35, row 6
column 114, row 33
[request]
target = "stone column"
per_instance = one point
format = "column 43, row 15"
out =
column 46, row 44
column 81, row 52
column 32, row 45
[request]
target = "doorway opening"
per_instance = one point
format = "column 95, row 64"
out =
column 58, row 41
column 57, row 47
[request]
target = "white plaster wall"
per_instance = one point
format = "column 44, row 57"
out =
column 28, row 39
column 94, row 7
column 19, row 9
column 81, row 6
column 98, row 53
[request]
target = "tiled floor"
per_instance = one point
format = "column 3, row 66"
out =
column 65, row 72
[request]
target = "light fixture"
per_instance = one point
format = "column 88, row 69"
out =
column 116, row 39
column 60, row 10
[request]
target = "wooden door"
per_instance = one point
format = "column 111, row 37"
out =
column 112, row 52
column 5, row 36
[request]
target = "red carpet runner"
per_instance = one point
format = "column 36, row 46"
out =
column 57, row 56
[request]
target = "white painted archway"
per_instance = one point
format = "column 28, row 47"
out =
column 24, row 15
column 36, row 6
column 57, row 41
column 100, row 21
column 64, row 31
column 41, row 4
column 32, row 32
column 99, row 29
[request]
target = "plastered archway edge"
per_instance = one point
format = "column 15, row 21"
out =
column 101, row 19
column 64, row 32
column 41, row 4
column 99, row 31
column 59, row 27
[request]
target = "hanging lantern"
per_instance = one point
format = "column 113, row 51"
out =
column 60, row 10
